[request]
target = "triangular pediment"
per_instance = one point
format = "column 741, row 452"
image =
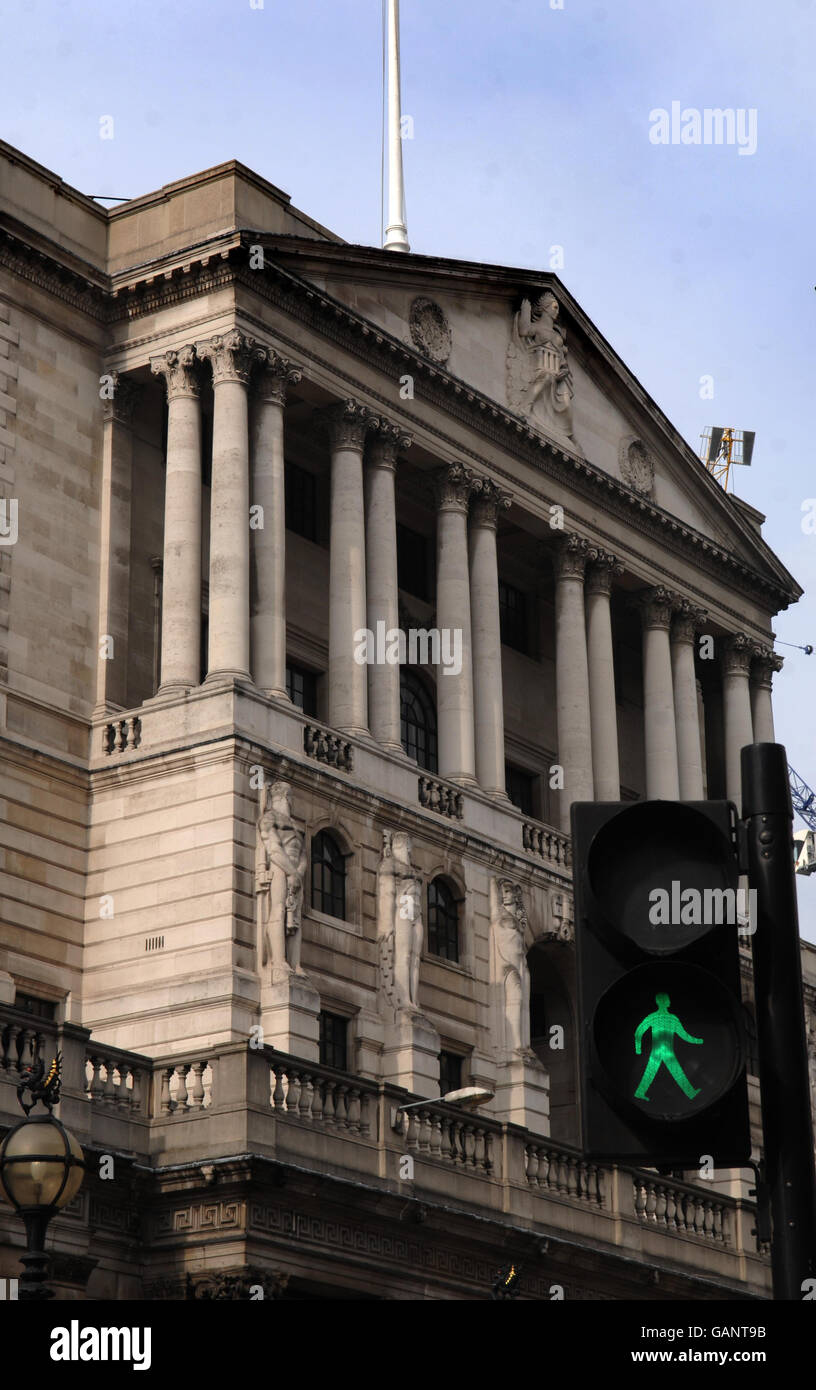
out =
column 521, row 341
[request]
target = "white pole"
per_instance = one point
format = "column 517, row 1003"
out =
column 396, row 233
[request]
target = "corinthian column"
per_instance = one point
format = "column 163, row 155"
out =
column 739, row 729
column 765, row 663
column 267, row 629
column 232, row 356
column 382, row 599
column 181, row 572
column 602, row 702
column 687, row 622
column 454, row 690
column 114, row 545
column 572, row 675
column 488, row 699
column 662, row 776
column 347, row 424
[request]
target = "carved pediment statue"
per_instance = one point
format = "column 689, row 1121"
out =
column 539, row 381
column 636, row 464
column 399, row 921
column 280, row 863
column 508, row 921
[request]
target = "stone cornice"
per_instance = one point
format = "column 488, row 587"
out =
column 223, row 260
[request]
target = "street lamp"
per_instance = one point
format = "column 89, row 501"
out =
column 41, row 1170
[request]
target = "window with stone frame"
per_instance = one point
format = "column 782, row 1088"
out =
column 333, row 1040
column 328, row 876
column 300, row 491
column 418, row 720
column 443, row 921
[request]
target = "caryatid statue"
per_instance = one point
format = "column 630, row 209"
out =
column 399, row 921
column 509, row 924
column 539, row 380
column 280, row 863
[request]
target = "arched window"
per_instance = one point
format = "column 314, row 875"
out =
column 417, row 721
column 328, row 876
column 443, row 921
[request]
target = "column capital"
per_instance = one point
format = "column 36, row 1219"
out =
column 231, row 355
column 656, row 606
column 688, row 620
column 489, row 499
column 387, row 443
column 570, row 555
column 602, row 568
column 738, row 651
column 274, row 376
column 347, row 423
column 177, row 366
column 454, row 484
column 121, row 405
column 764, row 663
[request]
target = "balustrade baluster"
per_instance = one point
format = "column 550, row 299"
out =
column 317, row 1099
column 572, row 1177
column 412, row 1129
column 306, row 1097
column 109, row 1090
column 341, row 1104
column 708, row 1219
column 166, row 1104
column 197, row 1096
column 640, row 1196
column 182, row 1097
column 365, row 1113
column 329, row 1106
column 436, row 1135
column 488, row 1158
column 424, row 1131
column 277, row 1089
column 470, row 1146
column 354, row 1110
column 293, row 1092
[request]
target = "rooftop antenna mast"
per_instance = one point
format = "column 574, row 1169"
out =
column 396, row 233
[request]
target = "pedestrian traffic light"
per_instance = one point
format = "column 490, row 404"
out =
column 662, row 1040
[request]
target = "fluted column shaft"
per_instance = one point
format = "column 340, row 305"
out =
column 602, row 701
column 181, row 571
column 454, row 690
column 382, row 596
column 739, row 729
column 267, row 628
column 347, row 424
column 114, row 545
column 232, row 356
column 687, row 621
column 488, row 697
column 572, row 675
column 660, row 732
column 765, row 663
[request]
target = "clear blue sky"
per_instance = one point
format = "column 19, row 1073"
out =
column 531, row 129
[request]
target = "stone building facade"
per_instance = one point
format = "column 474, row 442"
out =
column 264, row 882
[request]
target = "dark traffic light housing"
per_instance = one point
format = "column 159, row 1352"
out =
column 662, row 1038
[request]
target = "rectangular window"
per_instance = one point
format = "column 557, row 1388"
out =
column 521, row 788
column 301, row 501
column 412, row 562
column 450, row 1072
column 333, row 1041
column 513, row 616
column 40, row 1008
column 301, row 687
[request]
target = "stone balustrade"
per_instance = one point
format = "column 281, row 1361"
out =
column 113, row 1099
column 327, row 747
column 439, row 1132
column 547, row 843
column 116, row 1078
column 441, row 797
column 122, row 735
column 185, row 1087
column 677, row 1207
column 565, row 1173
column 301, row 1091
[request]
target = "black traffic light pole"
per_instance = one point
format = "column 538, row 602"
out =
column 783, row 1072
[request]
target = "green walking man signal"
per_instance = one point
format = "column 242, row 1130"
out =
column 664, row 1026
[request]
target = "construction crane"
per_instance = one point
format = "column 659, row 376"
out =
column 722, row 446
column 804, row 841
